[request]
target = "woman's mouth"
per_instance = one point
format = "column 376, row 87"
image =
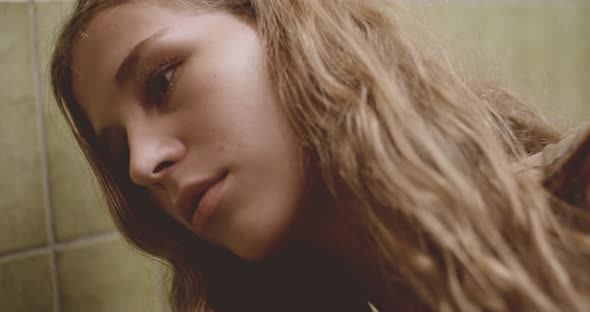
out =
column 196, row 200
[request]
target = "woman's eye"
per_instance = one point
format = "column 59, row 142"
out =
column 159, row 84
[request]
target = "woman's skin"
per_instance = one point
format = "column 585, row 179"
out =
column 208, row 113
column 193, row 103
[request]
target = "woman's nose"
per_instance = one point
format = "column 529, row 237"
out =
column 152, row 156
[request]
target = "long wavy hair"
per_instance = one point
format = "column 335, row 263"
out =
column 421, row 158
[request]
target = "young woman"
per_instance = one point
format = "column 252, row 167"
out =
column 308, row 155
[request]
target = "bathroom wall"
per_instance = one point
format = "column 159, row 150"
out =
column 538, row 48
column 58, row 249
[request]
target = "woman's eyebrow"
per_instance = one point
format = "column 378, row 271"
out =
column 130, row 62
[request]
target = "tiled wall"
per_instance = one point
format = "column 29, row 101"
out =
column 59, row 251
column 540, row 48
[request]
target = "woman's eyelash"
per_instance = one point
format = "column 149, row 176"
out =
column 159, row 82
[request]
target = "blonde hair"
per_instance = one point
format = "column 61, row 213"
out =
column 421, row 158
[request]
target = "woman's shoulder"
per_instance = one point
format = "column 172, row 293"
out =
column 567, row 167
column 572, row 143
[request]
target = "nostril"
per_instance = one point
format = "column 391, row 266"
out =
column 163, row 166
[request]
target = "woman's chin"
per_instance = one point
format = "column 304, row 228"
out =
column 255, row 252
column 258, row 250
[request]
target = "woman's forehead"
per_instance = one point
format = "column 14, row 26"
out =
column 107, row 39
column 111, row 33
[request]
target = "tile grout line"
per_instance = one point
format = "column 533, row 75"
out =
column 23, row 254
column 60, row 246
column 87, row 241
column 162, row 282
column 56, row 292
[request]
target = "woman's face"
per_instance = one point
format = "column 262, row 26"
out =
column 184, row 98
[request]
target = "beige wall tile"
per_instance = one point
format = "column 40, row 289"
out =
column 540, row 51
column 108, row 277
column 78, row 208
column 22, row 223
column 25, row 285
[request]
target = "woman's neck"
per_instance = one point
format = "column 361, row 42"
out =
column 338, row 235
column 300, row 279
column 333, row 259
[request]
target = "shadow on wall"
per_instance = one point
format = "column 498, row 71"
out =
column 58, row 250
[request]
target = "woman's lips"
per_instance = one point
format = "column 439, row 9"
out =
column 207, row 205
column 189, row 195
